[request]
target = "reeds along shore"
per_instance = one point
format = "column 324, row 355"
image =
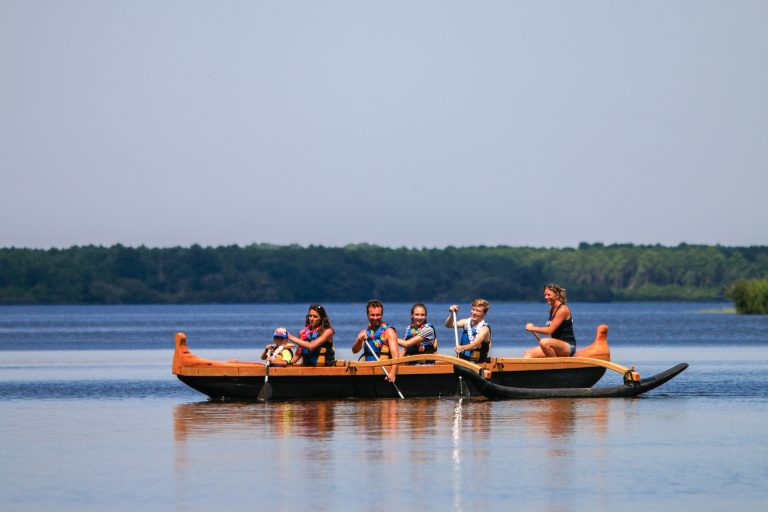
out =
column 750, row 296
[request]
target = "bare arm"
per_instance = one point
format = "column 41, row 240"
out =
column 410, row 342
column 483, row 334
column 425, row 334
column 266, row 350
column 449, row 321
column 562, row 314
column 391, row 337
column 358, row 344
column 454, row 309
column 327, row 335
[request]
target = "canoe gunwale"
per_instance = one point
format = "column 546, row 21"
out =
column 187, row 363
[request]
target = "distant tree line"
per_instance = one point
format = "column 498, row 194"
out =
column 267, row 273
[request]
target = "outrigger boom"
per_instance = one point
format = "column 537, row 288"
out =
column 630, row 388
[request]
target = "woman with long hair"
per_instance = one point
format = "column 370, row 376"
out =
column 420, row 336
column 315, row 341
column 560, row 340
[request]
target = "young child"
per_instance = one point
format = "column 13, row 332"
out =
column 280, row 351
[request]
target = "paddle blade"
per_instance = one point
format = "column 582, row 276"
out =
column 266, row 392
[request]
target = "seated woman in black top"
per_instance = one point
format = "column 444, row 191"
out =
column 560, row 340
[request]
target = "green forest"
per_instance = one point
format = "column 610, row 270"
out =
column 263, row 273
column 750, row 296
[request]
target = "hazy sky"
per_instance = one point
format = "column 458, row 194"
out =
column 398, row 123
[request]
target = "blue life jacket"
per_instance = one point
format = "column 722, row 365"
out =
column 479, row 354
column 323, row 355
column 377, row 341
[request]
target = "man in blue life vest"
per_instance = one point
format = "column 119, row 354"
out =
column 379, row 337
column 476, row 335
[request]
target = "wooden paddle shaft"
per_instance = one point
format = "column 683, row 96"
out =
column 385, row 370
column 455, row 329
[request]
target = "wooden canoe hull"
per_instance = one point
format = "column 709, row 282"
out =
column 500, row 378
column 242, row 380
column 413, row 381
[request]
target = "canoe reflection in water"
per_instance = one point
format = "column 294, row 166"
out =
column 277, row 419
column 369, row 420
column 420, row 444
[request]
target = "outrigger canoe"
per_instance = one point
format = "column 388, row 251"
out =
column 426, row 375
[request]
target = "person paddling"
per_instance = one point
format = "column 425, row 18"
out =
column 476, row 337
column 560, row 340
column 280, row 351
column 379, row 340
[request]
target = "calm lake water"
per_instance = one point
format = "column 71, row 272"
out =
column 92, row 419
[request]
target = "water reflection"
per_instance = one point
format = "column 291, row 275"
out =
column 401, row 444
column 552, row 418
column 276, row 419
column 557, row 419
column 564, row 428
column 373, row 419
column 456, row 454
column 388, row 419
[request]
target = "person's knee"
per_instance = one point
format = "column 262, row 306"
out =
column 556, row 347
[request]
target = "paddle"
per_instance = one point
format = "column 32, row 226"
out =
column 385, row 370
column 266, row 390
column 463, row 389
column 455, row 329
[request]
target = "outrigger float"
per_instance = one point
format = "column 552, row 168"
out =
column 427, row 375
